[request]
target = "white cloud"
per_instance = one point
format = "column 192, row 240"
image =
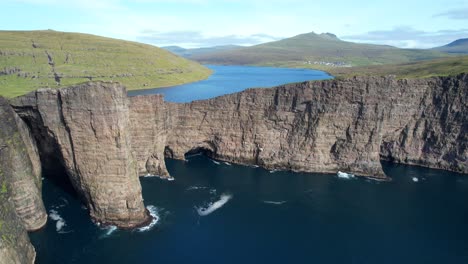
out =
column 192, row 39
column 457, row 14
column 408, row 37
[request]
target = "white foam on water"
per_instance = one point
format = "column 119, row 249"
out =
column 214, row 206
column 60, row 223
column 110, row 230
column 191, row 188
column 272, row 171
column 255, row 166
column 227, row 163
column 153, row 210
column 415, row 179
column 170, row 179
column 274, row 202
column 344, row 175
column 212, row 191
column 215, row 162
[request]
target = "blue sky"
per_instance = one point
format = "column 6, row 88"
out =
column 201, row 23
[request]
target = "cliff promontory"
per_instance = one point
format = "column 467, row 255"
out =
column 87, row 129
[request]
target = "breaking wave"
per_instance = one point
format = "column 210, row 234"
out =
column 215, row 162
column 110, row 230
column 227, row 163
column 214, row 206
column 60, row 223
column 344, row 175
column 153, row 210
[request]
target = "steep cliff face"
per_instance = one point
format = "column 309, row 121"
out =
column 15, row 247
column 149, row 120
column 87, row 129
column 20, row 200
column 325, row 126
column 19, row 164
column 436, row 134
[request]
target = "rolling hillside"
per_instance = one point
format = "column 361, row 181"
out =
column 458, row 46
column 34, row 59
column 421, row 69
column 317, row 51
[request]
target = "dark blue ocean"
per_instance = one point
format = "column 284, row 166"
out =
column 216, row 212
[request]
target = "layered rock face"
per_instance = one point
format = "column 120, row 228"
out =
column 324, row 126
column 20, row 165
column 20, row 197
column 87, row 129
column 15, row 247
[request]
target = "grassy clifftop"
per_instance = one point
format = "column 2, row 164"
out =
column 438, row 67
column 35, row 59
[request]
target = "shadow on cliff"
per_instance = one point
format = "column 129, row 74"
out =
column 56, row 173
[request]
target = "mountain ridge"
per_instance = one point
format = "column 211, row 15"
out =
column 311, row 50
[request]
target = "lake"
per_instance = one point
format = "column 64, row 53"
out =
column 216, row 212
column 232, row 79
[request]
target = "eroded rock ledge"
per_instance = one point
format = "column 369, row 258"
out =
column 104, row 139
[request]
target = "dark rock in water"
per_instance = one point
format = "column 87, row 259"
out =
column 87, row 129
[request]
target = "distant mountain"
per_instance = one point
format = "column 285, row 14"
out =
column 458, row 46
column 315, row 51
column 188, row 53
column 47, row 58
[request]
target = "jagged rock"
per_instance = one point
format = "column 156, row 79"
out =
column 87, row 128
column 20, row 165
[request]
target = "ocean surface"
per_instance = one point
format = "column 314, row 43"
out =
column 216, row 212
column 232, row 79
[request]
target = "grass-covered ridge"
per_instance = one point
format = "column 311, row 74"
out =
column 422, row 69
column 318, row 51
column 35, row 59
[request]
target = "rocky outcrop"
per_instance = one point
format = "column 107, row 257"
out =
column 20, row 165
column 87, row 129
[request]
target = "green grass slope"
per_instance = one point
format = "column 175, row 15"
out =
column 314, row 51
column 422, row 69
column 34, row 59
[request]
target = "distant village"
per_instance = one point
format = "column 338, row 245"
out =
column 327, row 63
